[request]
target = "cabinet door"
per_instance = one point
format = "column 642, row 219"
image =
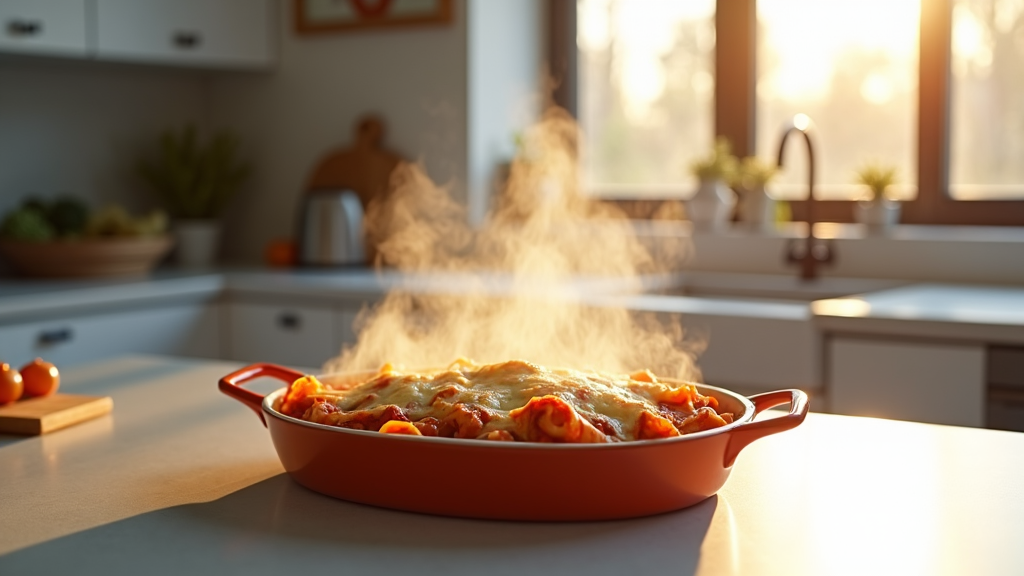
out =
column 345, row 320
column 55, row 27
column 189, row 330
column 291, row 335
column 192, row 32
column 937, row 383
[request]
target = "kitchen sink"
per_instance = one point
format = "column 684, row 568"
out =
column 768, row 286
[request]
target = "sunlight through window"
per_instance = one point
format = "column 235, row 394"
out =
column 851, row 65
column 987, row 103
column 646, row 93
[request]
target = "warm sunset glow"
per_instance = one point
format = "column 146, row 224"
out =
column 846, row 307
column 808, row 50
column 644, row 31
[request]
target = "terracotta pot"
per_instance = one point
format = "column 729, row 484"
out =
column 511, row 480
column 87, row 258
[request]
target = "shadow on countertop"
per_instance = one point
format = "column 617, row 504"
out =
column 279, row 527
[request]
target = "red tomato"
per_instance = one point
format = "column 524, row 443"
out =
column 41, row 378
column 11, row 384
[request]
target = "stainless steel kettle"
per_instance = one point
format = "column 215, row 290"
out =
column 331, row 230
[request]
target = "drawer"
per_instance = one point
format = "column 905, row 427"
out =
column 189, row 32
column 290, row 335
column 56, row 27
column 192, row 330
column 1006, row 366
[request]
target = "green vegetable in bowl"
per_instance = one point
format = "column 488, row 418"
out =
column 68, row 216
column 26, row 225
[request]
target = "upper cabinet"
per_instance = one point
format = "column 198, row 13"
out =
column 45, row 27
column 201, row 33
column 229, row 33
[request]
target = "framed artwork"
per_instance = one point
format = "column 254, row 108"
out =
column 320, row 16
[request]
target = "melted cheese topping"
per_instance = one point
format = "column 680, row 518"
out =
column 513, row 400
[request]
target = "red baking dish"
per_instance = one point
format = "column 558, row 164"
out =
column 512, row 480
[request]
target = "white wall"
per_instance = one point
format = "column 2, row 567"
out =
column 79, row 127
column 415, row 78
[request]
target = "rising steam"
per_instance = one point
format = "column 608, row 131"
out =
column 513, row 287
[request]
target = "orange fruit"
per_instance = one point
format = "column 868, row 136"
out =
column 41, row 378
column 282, row 253
column 11, row 384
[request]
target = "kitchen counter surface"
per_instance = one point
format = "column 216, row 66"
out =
column 982, row 313
column 36, row 299
column 181, row 479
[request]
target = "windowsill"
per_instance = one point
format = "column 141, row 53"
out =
column 965, row 254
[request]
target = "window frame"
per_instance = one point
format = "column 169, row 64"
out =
column 735, row 99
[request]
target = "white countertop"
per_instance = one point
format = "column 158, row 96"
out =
column 181, row 479
column 986, row 313
column 33, row 299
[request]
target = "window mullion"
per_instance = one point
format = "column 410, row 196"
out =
column 735, row 73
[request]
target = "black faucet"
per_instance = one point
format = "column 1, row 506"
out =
column 812, row 253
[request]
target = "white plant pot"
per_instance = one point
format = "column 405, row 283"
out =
column 877, row 214
column 757, row 208
column 711, row 206
column 198, row 242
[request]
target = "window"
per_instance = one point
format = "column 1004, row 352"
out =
column 851, row 65
column 987, row 132
column 933, row 85
column 647, row 92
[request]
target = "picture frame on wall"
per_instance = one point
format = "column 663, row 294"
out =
column 327, row 16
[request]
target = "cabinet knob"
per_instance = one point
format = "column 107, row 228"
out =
column 289, row 321
column 52, row 337
column 185, row 39
column 24, row 27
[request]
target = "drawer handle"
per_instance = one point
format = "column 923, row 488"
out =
column 289, row 321
column 59, row 336
column 24, row 27
column 187, row 40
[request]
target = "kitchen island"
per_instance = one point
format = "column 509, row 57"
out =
column 181, row 479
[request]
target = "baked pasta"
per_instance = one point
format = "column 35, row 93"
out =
column 509, row 401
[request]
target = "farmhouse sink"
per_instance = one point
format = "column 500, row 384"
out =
column 770, row 286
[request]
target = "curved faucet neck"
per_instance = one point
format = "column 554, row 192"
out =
column 790, row 128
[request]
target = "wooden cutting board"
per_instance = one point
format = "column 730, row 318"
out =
column 41, row 415
column 364, row 167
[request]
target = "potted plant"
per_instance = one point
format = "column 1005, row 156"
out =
column 195, row 178
column 712, row 204
column 877, row 210
column 750, row 181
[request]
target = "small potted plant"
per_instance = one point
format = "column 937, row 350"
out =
column 877, row 210
column 750, row 180
column 195, row 178
column 712, row 204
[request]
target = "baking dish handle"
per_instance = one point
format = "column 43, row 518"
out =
column 744, row 434
column 232, row 384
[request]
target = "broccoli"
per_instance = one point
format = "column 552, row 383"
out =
column 26, row 225
column 68, row 216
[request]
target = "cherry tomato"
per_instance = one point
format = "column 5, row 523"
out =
column 41, row 378
column 11, row 384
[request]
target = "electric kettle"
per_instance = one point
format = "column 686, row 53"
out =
column 331, row 230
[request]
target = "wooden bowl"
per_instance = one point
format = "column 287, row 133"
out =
column 86, row 258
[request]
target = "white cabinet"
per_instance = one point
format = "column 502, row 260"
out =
column 925, row 382
column 191, row 32
column 291, row 335
column 182, row 330
column 344, row 326
column 54, row 27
